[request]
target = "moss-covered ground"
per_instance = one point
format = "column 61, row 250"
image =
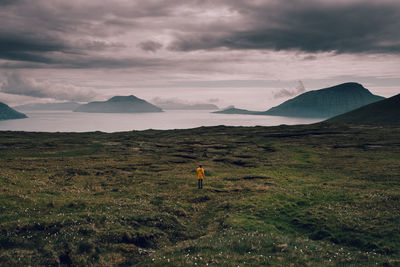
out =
column 315, row 195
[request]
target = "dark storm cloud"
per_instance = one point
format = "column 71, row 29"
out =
column 310, row 26
column 43, row 47
column 7, row 2
column 94, row 18
column 82, row 34
column 71, row 33
column 52, row 50
column 150, row 46
column 110, row 62
column 26, row 47
column 85, row 62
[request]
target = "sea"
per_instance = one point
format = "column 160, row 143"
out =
column 69, row 121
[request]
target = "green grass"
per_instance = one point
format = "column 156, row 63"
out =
column 314, row 195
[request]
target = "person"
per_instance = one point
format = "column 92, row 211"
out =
column 200, row 176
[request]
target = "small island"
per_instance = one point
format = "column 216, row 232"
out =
column 119, row 104
column 48, row 106
column 181, row 106
column 233, row 110
column 7, row 113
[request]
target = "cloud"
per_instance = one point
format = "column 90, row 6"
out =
column 171, row 102
column 199, row 44
column 106, row 34
column 28, row 47
column 213, row 100
column 17, row 84
column 43, row 49
column 150, row 46
column 74, row 33
column 174, row 100
column 308, row 26
column 79, row 61
column 290, row 93
column 310, row 57
column 14, row 100
column 7, row 2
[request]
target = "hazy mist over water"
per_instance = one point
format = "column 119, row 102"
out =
column 68, row 121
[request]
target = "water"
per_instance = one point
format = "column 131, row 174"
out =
column 68, row 121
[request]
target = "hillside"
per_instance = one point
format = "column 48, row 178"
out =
column 7, row 113
column 384, row 112
column 119, row 104
column 322, row 103
column 326, row 103
column 48, row 106
column 233, row 110
column 312, row 195
column 170, row 105
column 189, row 106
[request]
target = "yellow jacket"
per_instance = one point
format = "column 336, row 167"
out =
column 200, row 173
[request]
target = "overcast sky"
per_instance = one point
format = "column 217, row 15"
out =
column 249, row 53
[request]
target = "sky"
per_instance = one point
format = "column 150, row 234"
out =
column 252, row 54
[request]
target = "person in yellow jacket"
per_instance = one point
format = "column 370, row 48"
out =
column 200, row 176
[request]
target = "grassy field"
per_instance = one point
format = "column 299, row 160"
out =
column 314, row 195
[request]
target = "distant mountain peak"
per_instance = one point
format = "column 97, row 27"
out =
column 233, row 110
column 119, row 104
column 327, row 102
column 322, row 103
column 7, row 113
column 48, row 106
column 345, row 87
column 130, row 98
column 349, row 84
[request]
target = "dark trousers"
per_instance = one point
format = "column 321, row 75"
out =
column 200, row 183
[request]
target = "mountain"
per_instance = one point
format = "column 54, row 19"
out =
column 49, row 106
column 119, row 104
column 322, row 103
column 181, row 106
column 7, row 113
column 233, row 110
column 384, row 112
column 325, row 103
